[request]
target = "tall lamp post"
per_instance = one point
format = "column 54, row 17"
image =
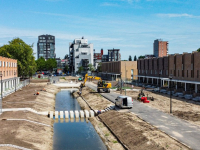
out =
column 170, row 77
column 1, row 93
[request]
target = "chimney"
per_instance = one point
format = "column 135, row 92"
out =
column 101, row 51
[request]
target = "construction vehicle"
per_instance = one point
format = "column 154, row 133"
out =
column 101, row 85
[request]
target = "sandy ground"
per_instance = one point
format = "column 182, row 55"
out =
column 130, row 130
column 185, row 109
column 136, row 134
column 23, row 133
column 95, row 100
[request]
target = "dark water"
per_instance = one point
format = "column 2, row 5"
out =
column 73, row 134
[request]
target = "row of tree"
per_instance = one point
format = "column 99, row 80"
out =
column 130, row 58
column 46, row 65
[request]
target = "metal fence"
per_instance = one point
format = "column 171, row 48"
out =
column 15, row 88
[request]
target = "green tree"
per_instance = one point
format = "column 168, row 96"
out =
column 135, row 58
column 80, row 69
column 91, row 67
column 99, row 67
column 66, row 56
column 130, row 58
column 18, row 49
column 50, row 64
column 198, row 50
column 41, row 64
column 66, row 69
column 141, row 57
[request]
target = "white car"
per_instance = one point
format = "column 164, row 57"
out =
column 124, row 102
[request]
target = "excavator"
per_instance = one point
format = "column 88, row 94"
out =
column 100, row 85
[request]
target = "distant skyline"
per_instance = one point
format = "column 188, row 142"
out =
column 128, row 25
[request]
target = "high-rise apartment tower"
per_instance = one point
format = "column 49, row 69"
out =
column 160, row 48
column 46, row 46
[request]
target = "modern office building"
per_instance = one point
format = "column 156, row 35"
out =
column 46, row 46
column 8, row 73
column 113, row 55
column 80, row 54
column 160, row 48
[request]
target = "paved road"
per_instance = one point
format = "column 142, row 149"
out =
column 179, row 129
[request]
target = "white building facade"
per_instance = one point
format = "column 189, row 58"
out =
column 80, row 54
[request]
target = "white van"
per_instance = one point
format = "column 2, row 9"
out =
column 124, row 102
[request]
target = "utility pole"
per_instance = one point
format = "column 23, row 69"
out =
column 125, row 78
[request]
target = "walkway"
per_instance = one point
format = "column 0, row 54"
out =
column 179, row 129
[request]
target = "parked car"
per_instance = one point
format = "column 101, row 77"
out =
column 124, row 102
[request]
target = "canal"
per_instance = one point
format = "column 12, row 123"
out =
column 73, row 134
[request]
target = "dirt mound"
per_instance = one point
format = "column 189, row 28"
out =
column 191, row 116
column 95, row 100
column 137, row 134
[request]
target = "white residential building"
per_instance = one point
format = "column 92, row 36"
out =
column 80, row 54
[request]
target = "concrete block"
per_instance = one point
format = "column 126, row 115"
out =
column 51, row 114
column 86, row 113
column 71, row 114
column 91, row 113
column 56, row 114
column 61, row 114
column 76, row 114
column 81, row 114
column 102, row 111
column 66, row 114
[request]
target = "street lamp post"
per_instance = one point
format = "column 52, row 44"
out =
column 1, row 93
column 170, row 77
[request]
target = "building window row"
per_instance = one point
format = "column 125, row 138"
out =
column 7, row 64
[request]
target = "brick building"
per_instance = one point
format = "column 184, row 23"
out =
column 160, row 48
column 8, row 70
column 183, row 68
column 120, row 69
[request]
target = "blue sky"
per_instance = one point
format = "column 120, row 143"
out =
column 130, row 25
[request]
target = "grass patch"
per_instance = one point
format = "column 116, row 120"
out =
column 115, row 141
column 62, row 78
column 106, row 134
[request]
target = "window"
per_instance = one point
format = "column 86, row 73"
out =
column 151, row 71
column 197, row 73
column 187, row 73
column 166, row 72
column 4, row 73
column 178, row 73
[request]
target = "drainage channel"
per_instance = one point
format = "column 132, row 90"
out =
column 73, row 133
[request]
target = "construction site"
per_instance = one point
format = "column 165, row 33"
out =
column 26, row 121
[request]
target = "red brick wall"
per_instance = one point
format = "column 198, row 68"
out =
column 9, row 68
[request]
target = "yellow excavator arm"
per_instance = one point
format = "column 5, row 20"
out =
column 91, row 77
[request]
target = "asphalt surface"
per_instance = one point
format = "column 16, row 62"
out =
column 179, row 129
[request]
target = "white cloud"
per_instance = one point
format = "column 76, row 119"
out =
column 178, row 15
